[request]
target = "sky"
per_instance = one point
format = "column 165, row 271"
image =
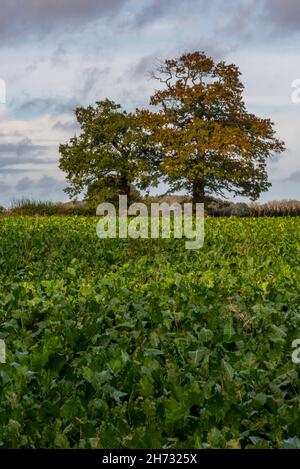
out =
column 55, row 56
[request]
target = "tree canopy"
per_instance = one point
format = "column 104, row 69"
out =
column 209, row 142
column 110, row 156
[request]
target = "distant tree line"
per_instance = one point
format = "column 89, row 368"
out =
column 214, row 207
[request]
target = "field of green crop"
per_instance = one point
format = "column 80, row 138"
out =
column 141, row 343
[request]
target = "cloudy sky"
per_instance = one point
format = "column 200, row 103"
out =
column 57, row 55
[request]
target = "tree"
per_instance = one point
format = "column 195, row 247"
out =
column 210, row 143
column 110, row 156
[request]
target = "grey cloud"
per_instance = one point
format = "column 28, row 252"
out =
column 31, row 67
column 17, row 160
column 14, row 171
column 15, row 133
column 36, row 16
column 57, row 105
column 24, row 184
column 22, row 152
column 25, row 145
column 59, row 56
column 244, row 19
column 70, row 126
column 4, row 187
column 294, row 177
column 282, row 15
column 269, row 18
column 177, row 9
column 145, row 66
column 151, row 12
column 241, row 19
column 92, row 77
column 89, row 78
column 47, row 183
column 44, row 185
column 156, row 9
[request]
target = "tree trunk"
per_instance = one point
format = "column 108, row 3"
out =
column 126, row 188
column 198, row 191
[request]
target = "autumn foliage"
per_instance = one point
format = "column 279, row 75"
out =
column 209, row 142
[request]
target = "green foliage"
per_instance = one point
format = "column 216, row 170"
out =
column 142, row 344
column 110, row 156
column 48, row 208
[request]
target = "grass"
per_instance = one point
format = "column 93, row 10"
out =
column 47, row 208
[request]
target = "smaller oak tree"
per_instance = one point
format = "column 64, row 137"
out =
column 110, row 157
column 210, row 143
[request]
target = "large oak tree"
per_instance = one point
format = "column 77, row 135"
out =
column 110, row 157
column 210, row 142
